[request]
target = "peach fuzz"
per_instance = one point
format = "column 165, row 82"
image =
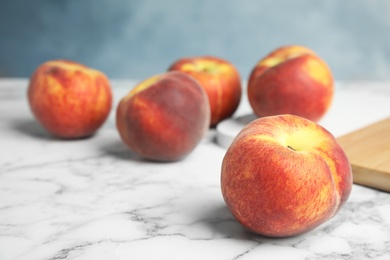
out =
column 68, row 99
column 291, row 80
column 284, row 175
column 219, row 78
column 164, row 117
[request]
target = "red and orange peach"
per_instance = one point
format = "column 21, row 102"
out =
column 69, row 99
column 219, row 78
column 291, row 80
column 285, row 175
column 164, row 117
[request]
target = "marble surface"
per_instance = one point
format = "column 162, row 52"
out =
column 95, row 199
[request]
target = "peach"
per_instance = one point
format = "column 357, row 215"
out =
column 291, row 80
column 285, row 175
column 164, row 117
column 219, row 78
column 69, row 99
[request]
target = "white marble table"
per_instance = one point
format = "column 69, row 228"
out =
column 94, row 199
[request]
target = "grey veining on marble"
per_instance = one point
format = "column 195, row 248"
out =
column 94, row 199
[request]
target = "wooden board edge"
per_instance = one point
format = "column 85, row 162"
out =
column 365, row 177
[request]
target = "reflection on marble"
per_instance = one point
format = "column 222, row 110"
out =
column 94, row 199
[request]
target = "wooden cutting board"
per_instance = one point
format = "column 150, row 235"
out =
column 368, row 150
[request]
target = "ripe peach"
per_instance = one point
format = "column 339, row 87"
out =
column 219, row 78
column 164, row 117
column 291, row 80
column 69, row 99
column 285, row 175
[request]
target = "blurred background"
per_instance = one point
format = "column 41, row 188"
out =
column 134, row 39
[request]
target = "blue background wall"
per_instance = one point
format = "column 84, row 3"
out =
column 139, row 38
